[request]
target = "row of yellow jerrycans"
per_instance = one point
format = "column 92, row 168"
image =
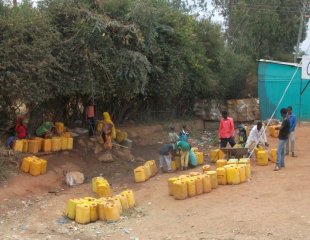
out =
column 46, row 145
column 216, row 154
column 176, row 162
column 146, row 171
column 191, row 185
column 33, row 165
column 273, row 132
column 101, row 186
column 262, row 156
column 108, row 209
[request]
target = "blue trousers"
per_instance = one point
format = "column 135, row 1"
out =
column 280, row 153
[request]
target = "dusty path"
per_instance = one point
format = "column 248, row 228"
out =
column 273, row 205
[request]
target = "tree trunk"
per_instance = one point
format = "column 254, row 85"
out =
column 15, row 3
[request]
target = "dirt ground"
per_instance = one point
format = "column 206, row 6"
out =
column 272, row 205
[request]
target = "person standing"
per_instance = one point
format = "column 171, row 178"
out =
column 291, row 138
column 184, row 134
column 173, row 136
column 226, row 131
column 90, row 115
column 109, row 131
column 165, row 154
column 283, row 136
column 183, row 148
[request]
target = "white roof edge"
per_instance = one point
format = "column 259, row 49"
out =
column 278, row 62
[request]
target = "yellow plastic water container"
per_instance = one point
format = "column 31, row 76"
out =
column 170, row 185
column 244, row 161
column 111, row 212
column 101, row 214
column 139, row 174
column 242, row 173
column 25, row 167
column 40, row 143
column 69, row 143
column 199, row 156
column 153, row 167
column 64, row 143
column 25, row 145
column 199, row 185
column 173, row 166
column 71, row 208
column 35, row 167
column 213, row 178
column 56, row 144
column 104, row 189
column 33, row 146
column 191, row 187
column 206, row 180
column 124, row 202
column 233, row 161
column 206, row 168
column 130, row 198
column 232, row 174
column 271, row 130
column 221, row 176
column 18, row 145
column 247, row 164
column 183, row 177
column 47, row 145
column 273, row 154
column 116, row 200
column 95, row 181
column 221, row 154
column 93, row 212
column 147, row 170
column 60, row 127
column 214, row 155
column 262, row 158
column 194, row 173
column 180, row 189
column 43, row 166
column 82, row 213
column 221, row 163
column 177, row 161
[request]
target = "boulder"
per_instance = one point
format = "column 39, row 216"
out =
column 106, row 157
column 74, row 178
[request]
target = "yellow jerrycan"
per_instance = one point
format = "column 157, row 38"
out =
column 130, row 197
column 40, row 143
column 242, row 173
column 69, row 143
column 195, row 149
column 96, row 181
column 116, row 200
column 191, row 187
column 232, row 174
column 233, row 161
column 214, row 155
column 199, row 156
column 47, row 145
column 170, row 185
column 33, row 146
column 111, row 212
column 25, row 167
column 82, row 213
column 71, row 208
column 64, row 143
column 180, row 189
column 18, row 145
column 101, row 214
column 221, row 163
column 273, row 154
column 206, row 179
column 194, row 174
column 93, row 211
column 124, row 202
column 173, row 166
column 213, row 178
column 104, row 189
column 25, row 145
column 153, row 167
column 147, row 170
column 35, row 168
column 262, row 158
column 247, row 164
column 221, row 154
column 43, row 166
column 206, row 168
column 56, row 144
column 221, row 176
column 140, row 174
column 199, row 185
column 177, row 160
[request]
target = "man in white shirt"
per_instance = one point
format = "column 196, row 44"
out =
column 257, row 136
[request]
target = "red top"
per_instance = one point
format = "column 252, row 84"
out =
column 227, row 128
column 90, row 111
column 21, row 131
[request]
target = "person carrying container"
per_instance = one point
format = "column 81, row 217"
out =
column 109, row 131
column 165, row 154
column 183, row 148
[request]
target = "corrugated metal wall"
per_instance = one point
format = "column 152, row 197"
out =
column 272, row 81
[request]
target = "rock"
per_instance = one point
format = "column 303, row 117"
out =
column 98, row 149
column 106, row 157
column 74, row 178
column 123, row 154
